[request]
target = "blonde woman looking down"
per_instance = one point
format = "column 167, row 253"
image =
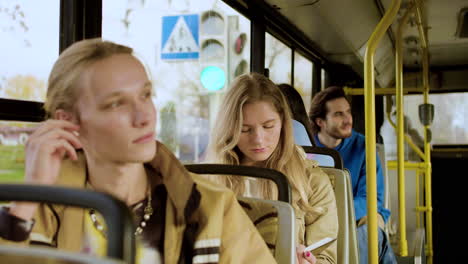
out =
column 100, row 135
column 254, row 129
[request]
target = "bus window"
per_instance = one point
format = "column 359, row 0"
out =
column 30, row 45
column 303, row 78
column 278, row 58
column 450, row 125
column 193, row 50
column 13, row 136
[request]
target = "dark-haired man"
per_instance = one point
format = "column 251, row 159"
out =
column 332, row 124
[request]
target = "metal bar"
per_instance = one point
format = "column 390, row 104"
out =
column 414, row 147
column 425, row 75
column 427, row 146
column 381, row 9
column 422, row 209
column 401, row 133
column 392, row 164
column 422, row 33
column 382, row 91
column 428, row 191
column 418, row 213
column 369, row 98
column 407, row 139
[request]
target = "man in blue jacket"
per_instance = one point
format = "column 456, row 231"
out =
column 332, row 124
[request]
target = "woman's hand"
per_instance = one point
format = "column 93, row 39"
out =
column 45, row 150
column 304, row 257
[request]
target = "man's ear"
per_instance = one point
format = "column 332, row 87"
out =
column 319, row 121
column 61, row 114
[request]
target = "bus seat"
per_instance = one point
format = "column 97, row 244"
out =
column 273, row 219
column 284, row 189
column 27, row 255
column 326, row 157
column 347, row 239
column 278, row 228
column 301, row 137
column 120, row 227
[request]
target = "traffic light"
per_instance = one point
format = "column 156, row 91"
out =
column 238, row 49
column 213, row 53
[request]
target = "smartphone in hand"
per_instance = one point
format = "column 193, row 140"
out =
column 319, row 245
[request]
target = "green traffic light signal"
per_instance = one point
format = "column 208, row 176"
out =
column 213, row 78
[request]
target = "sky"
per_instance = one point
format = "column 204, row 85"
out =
column 42, row 34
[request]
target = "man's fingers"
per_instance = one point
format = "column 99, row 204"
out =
column 57, row 134
column 63, row 147
column 54, row 124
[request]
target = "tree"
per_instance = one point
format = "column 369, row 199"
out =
column 25, row 87
column 169, row 126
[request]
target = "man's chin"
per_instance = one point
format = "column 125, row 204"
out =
column 346, row 134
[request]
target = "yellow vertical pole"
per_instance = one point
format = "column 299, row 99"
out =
column 428, row 172
column 401, row 133
column 418, row 213
column 427, row 146
column 369, row 100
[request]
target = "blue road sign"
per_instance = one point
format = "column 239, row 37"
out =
column 180, row 37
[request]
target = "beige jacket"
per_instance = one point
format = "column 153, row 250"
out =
column 224, row 228
column 323, row 222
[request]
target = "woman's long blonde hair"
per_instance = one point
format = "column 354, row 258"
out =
column 286, row 158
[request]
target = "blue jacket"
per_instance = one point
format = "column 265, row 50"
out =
column 353, row 153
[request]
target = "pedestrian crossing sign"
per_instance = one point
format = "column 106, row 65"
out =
column 180, row 37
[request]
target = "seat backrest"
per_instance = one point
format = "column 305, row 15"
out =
column 347, row 240
column 284, row 189
column 273, row 219
column 14, row 254
column 119, row 221
column 301, row 137
column 282, row 220
column 326, row 157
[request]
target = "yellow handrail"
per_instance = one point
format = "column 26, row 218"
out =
column 427, row 147
column 392, row 164
column 422, row 33
column 418, row 213
column 369, row 99
column 401, row 133
column 381, row 91
column 427, row 151
column 407, row 139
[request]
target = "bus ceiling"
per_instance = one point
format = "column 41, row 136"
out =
column 340, row 30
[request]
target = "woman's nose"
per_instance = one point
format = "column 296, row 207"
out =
column 258, row 136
